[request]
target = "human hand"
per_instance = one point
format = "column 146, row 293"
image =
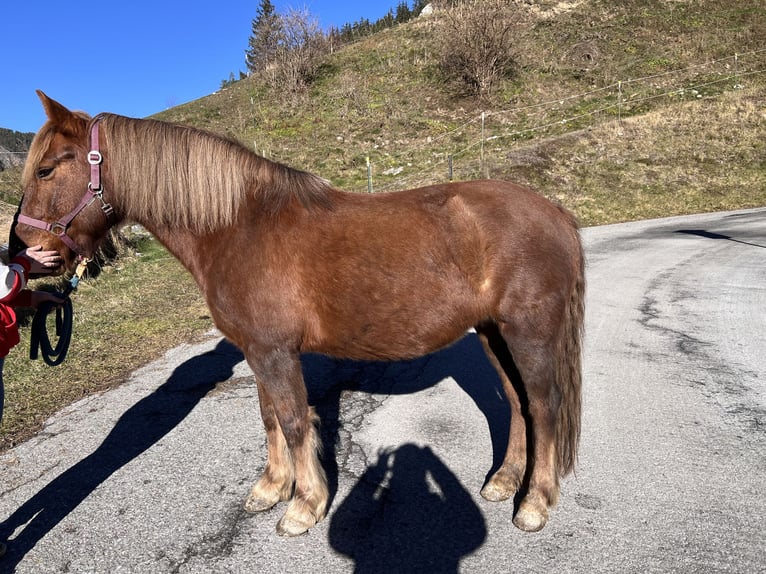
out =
column 41, row 262
column 37, row 298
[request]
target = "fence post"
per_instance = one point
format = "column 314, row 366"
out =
column 481, row 154
column 619, row 101
column 369, row 175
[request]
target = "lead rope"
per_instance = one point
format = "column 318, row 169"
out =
column 40, row 340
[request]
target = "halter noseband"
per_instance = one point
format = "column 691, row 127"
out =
column 95, row 191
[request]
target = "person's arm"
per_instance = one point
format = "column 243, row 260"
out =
column 13, row 278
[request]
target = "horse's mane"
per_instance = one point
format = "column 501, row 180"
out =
column 182, row 176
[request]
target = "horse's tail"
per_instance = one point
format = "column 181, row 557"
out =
column 569, row 371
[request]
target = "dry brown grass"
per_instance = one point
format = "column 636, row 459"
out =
column 697, row 156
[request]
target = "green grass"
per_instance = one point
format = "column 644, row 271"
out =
column 130, row 314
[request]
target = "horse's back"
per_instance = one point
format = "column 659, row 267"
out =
column 492, row 204
column 503, row 224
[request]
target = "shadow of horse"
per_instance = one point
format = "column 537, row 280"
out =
column 136, row 431
column 327, row 380
column 154, row 416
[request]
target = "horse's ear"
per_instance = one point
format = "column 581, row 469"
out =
column 64, row 119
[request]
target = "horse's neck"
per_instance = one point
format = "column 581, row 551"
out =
column 184, row 246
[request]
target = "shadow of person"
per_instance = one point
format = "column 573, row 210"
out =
column 408, row 513
column 137, row 430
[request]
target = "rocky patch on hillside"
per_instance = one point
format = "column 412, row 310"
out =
column 10, row 159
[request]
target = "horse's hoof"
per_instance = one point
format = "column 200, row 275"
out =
column 502, row 486
column 496, row 493
column 530, row 520
column 255, row 504
column 292, row 527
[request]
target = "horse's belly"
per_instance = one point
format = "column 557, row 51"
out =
column 389, row 336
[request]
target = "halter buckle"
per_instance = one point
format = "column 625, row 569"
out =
column 58, row 228
column 95, row 157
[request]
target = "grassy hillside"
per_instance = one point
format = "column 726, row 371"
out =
column 581, row 66
column 620, row 110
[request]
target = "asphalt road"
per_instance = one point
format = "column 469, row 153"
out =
column 151, row 476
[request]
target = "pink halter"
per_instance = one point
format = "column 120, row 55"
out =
column 95, row 191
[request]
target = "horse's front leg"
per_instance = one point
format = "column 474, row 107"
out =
column 293, row 465
column 278, row 478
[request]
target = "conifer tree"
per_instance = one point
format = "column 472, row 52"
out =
column 403, row 13
column 265, row 37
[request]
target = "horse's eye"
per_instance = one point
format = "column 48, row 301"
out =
column 44, row 172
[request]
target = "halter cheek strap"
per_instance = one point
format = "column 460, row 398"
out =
column 95, row 191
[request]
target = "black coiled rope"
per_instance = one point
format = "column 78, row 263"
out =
column 40, row 339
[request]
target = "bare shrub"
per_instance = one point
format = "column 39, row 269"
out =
column 476, row 43
column 300, row 49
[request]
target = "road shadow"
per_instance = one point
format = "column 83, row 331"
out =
column 327, row 379
column 137, row 430
column 713, row 235
column 154, row 416
column 407, row 513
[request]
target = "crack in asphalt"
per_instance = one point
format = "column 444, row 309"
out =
column 30, row 479
column 359, row 389
column 344, row 409
column 219, row 544
column 720, row 381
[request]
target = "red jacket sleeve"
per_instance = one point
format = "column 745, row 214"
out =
column 18, row 269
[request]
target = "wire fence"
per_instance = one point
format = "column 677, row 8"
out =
column 615, row 101
column 467, row 144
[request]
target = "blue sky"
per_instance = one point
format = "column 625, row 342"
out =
column 134, row 58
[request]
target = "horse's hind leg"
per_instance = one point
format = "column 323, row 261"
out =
column 535, row 408
column 534, row 356
column 508, row 479
column 279, row 373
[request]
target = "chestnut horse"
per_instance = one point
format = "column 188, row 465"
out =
column 288, row 264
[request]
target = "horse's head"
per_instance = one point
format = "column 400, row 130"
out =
column 58, row 183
